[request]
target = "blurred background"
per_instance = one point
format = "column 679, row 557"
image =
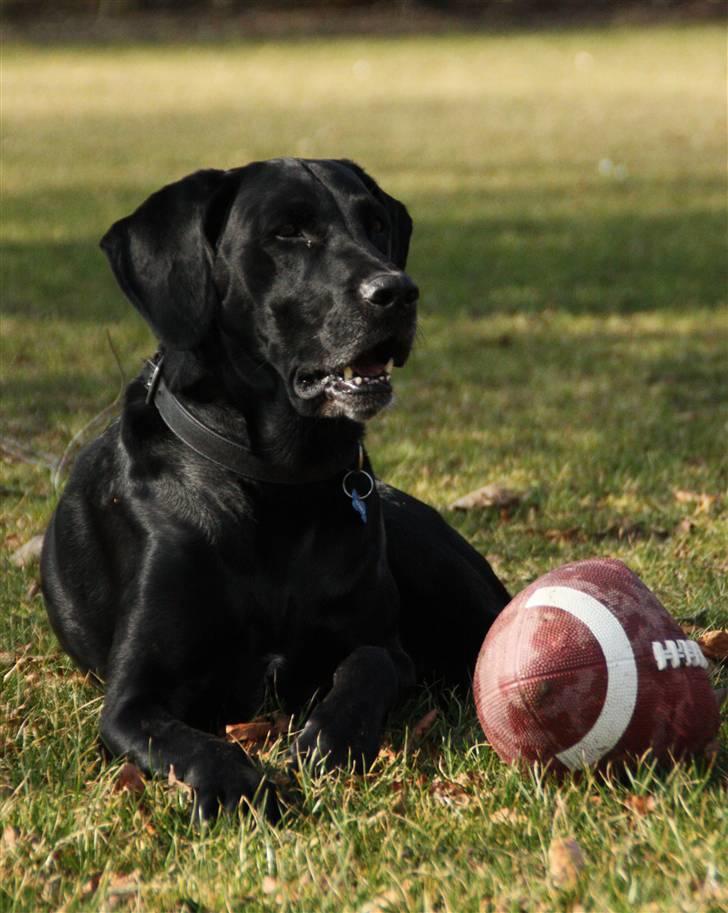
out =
column 564, row 166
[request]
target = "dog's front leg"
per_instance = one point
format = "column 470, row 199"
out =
column 220, row 773
column 346, row 727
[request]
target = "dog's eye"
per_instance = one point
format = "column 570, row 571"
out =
column 378, row 227
column 289, row 230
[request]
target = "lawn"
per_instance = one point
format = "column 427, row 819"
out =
column 568, row 195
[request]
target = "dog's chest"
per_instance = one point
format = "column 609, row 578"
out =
column 312, row 565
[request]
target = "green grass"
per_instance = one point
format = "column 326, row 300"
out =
column 574, row 345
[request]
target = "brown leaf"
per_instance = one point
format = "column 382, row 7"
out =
column 493, row 495
column 387, row 755
column 130, row 778
column 386, row 902
column 9, row 838
column 566, row 862
column 714, row 644
column 90, row 886
column 449, row 792
column 686, row 526
column 32, row 590
column 253, row 733
column 29, row 553
column 563, row 535
column 282, row 723
column 702, row 499
column 422, row 727
column 641, row 805
column 269, row 885
column 122, row 889
column 507, row 816
column 178, row 784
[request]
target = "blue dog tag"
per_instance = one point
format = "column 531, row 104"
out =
column 359, row 505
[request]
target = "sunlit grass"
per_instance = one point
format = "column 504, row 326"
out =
column 568, row 197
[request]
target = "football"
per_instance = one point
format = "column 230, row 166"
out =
column 585, row 666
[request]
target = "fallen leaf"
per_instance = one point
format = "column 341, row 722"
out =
column 714, row 644
column 641, row 805
column 563, row 535
column 386, row 902
column 9, row 838
column 422, row 727
column 387, row 754
column 702, row 499
column 249, row 733
column 178, row 784
column 90, row 886
column 29, row 553
column 493, row 495
column 269, row 885
column 32, row 590
column 282, row 723
column 686, row 526
column 122, row 889
column 448, row 792
column 566, row 862
column 130, row 778
column 507, row 816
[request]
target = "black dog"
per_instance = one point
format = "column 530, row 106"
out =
column 226, row 535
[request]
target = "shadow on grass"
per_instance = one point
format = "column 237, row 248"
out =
column 591, row 262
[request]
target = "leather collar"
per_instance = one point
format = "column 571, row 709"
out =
column 221, row 450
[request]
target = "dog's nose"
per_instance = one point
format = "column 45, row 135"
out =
column 388, row 289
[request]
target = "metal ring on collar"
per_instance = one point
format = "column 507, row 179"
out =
column 357, row 472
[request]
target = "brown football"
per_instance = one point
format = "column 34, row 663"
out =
column 585, row 666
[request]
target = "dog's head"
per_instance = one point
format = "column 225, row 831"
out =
column 297, row 266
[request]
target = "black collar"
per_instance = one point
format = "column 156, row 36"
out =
column 226, row 453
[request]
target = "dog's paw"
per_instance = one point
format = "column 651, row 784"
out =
column 330, row 742
column 222, row 778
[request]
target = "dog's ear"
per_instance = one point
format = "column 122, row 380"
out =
column 400, row 218
column 162, row 254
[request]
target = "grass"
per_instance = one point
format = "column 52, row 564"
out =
column 568, row 195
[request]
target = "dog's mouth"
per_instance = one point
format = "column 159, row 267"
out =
column 358, row 388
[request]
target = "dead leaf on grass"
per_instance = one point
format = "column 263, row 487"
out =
column 686, row 526
column 9, row 839
column 493, row 495
column 269, row 884
column 29, row 553
column 122, row 889
column 566, row 862
column 703, row 501
column 130, row 778
column 423, row 726
column 249, row 733
column 714, row 644
column 641, row 805
column 178, row 784
column 507, row 815
column 386, row 902
column 448, row 792
column 257, row 732
column 90, row 886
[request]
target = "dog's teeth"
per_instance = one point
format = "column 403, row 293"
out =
column 358, row 381
column 388, row 367
column 348, row 372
